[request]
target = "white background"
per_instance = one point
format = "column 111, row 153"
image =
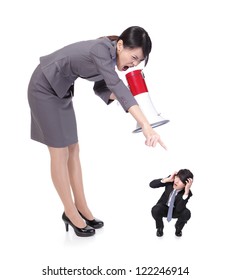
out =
column 188, row 77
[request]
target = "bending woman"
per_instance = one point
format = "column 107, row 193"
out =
column 53, row 122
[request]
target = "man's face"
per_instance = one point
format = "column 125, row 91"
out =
column 178, row 184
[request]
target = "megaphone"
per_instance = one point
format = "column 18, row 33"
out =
column 138, row 88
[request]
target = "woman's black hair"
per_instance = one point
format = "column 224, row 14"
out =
column 137, row 37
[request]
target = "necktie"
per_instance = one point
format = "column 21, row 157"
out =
column 170, row 209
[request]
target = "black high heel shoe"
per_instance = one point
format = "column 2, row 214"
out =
column 95, row 223
column 83, row 232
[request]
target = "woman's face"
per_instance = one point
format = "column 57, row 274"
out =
column 127, row 57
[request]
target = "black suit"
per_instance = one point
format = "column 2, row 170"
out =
column 160, row 210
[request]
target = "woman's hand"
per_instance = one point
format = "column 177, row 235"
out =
column 112, row 96
column 152, row 138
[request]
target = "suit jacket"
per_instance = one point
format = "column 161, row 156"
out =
column 93, row 60
column 180, row 203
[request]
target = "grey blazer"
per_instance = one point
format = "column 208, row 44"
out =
column 93, row 60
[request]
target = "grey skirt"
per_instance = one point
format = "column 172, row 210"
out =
column 53, row 121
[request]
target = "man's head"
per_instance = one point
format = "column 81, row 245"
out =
column 181, row 178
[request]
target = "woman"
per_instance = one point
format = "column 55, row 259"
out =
column 53, row 123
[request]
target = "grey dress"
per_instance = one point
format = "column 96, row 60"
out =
column 51, row 88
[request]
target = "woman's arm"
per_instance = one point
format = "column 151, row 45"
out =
column 152, row 138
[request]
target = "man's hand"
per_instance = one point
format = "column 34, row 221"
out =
column 188, row 185
column 172, row 177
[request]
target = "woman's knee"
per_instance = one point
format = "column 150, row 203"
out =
column 73, row 149
column 59, row 154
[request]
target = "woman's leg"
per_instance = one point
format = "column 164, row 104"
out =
column 76, row 181
column 61, row 180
